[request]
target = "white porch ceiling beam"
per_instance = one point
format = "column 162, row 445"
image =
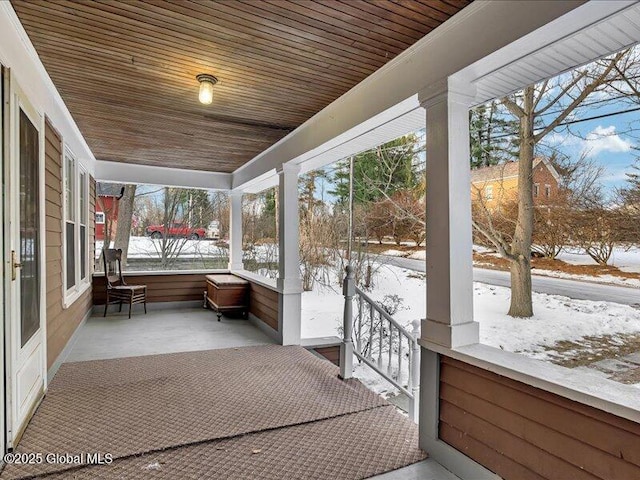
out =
column 163, row 176
column 467, row 37
column 594, row 30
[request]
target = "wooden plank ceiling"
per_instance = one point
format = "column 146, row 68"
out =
column 126, row 70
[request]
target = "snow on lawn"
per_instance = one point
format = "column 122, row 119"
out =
column 627, row 260
column 146, row 247
column 419, row 255
column 322, row 308
column 556, row 317
column 394, row 253
column 605, row 279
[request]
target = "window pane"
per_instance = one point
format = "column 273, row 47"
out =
column 260, row 233
column 169, row 228
column 70, row 188
column 83, row 198
column 71, row 255
column 83, row 252
column 29, row 241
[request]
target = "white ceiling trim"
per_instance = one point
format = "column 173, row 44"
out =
column 591, row 31
column 162, row 176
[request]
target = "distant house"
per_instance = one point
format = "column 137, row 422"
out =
column 498, row 184
column 108, row 198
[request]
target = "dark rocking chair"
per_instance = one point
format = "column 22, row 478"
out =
column 117, row 289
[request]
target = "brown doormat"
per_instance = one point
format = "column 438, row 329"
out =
column 138, row 405
column 353, row 446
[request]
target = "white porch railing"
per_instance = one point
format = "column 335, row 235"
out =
column 380, row 342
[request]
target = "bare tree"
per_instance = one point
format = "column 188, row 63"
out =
column 540, row 109
column 125, row 217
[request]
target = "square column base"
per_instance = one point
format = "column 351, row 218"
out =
column 450, row 336
column 290, row 318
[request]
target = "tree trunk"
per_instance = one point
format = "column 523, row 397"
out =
column 125, row 215
column 521, row 300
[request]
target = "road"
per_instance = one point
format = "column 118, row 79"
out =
column 556, row 286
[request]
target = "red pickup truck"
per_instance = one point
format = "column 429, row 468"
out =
column 176, row 230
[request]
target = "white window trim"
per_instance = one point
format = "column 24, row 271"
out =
column 70, row 295
column 488, row 190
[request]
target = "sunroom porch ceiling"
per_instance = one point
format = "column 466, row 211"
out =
column 126, row 70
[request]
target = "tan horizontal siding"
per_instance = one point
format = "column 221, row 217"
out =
column 488, row 457
column 160, row 288
column 53, row 225
column 263, row 303
column 519, row 431
column 331, row 353
column 61, row 322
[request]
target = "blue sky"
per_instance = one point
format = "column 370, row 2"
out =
column 608, row 141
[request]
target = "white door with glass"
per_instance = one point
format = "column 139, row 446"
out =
column 26, row 373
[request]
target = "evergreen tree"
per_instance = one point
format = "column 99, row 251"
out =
column 378, row 173
column 493, row 135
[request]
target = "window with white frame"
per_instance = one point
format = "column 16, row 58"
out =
column 488, row 192
column 76, row 214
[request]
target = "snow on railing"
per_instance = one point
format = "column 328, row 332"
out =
column 380, row 342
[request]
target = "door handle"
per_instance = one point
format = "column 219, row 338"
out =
column 14, row 265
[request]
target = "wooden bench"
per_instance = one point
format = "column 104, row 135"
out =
column 227, row 293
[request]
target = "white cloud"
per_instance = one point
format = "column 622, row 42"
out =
column 557, row 139
column 605, row 139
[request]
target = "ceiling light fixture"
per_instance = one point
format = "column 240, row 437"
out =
column 206, row 88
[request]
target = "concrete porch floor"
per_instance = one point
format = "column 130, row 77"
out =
column 173, row 330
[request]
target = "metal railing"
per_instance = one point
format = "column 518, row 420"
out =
column 375, row 338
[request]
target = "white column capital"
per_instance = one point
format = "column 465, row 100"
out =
column 235, row 193
column 288, row 168
column 452, row 89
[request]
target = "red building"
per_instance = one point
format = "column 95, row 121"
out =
column 107, row 201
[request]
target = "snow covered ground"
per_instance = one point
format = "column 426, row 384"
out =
column 556, row 317
column 627, row 260
column 146, row 247
column 606, row 279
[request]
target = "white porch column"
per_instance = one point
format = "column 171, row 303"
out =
column 449, row 319
column 235, row 231
column 289, row 280
column 449, row 266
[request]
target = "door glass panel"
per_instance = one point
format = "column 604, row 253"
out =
column 29, row 230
